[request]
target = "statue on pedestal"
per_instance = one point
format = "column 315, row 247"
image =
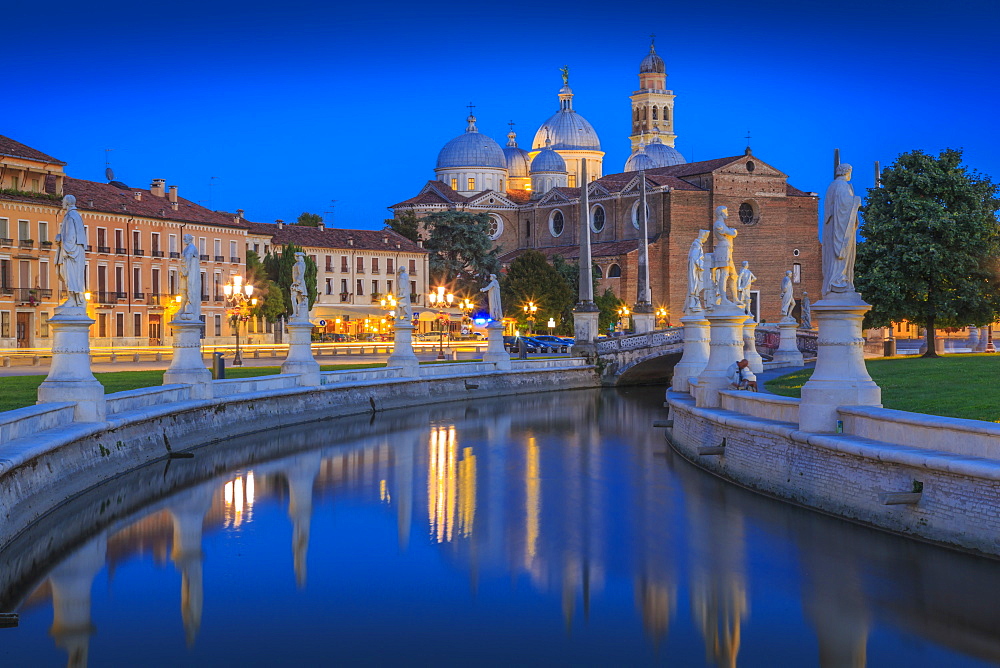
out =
column 743, row 283
column 71, row 246
column 840, row 227
column 723, row 269
column 298, row 290
column 404, row 309
column 492, row 291
column 787, row 295
column 696, row 273
column 806, row 312
column 190, row 281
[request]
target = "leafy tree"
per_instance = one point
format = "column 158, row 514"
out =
column 931, row 245
column 608, row 304
column 531, row 278
column 571, row 272
column 405, row 224
column 309, row 219
column 270, row 303
column 279, row 269
column 460, row 250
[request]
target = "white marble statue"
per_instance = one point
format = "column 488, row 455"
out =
column 71, row 246
column 787, row 295
column 743, row 283
column 806, row 312
column 190, row 281
column 298, row 290
column 723, row 269
column 840, row 227
column 492, row 291
column 696, row 273
column 404, row 309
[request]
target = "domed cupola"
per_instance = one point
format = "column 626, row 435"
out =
column 472, row 162
column 518, row 163
column 652, row 104
column 652, row 63
column 548, row 171
column 639, row 160
column 663, row 155
column 571, row 136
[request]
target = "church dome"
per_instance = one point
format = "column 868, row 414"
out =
column 652, row 63
column 567, row 129
column 663, row 155
column 518, row 160
column 639, row 160
column 472, row 149
column 548, row 161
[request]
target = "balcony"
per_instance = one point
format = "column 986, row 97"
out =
column 139, row 296
column 138, row 252
column 219, row 298
column 89, row 248
column 105, row 297
column 345, row 296
column 174, row 254
column 121, row 250
column 158, row 299
column 31, row 296
column 121, row 296
column 204, row 298
column 220, row 258
column 26, row 243
column 6, row 291
column 45, row 245
column 345, row 270
column 4, row 241
column 359, row 271
column 157, row 253
column 234, row 259
column 204, row 258
column 103, row 249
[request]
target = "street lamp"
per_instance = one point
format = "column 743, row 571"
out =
column 439, row 299
column 662, row 315
column 241, row 300
column 529, row 310
column 466, row 306
column 623, row 313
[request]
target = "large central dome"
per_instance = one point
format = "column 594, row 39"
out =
column 566, row 129
column 471, row 149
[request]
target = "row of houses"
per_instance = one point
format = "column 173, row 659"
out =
column 134, row 238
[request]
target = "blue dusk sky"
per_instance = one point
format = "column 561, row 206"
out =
column 279, row 108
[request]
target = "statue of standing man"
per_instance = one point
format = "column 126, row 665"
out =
column 71, row 246
column 298, row 290
column 404, row 309
column 190, row 281
column 840, row 227
column 696, row 273
column 743, row 283
column 723, row 269
column 787, row 295
column 492, row 291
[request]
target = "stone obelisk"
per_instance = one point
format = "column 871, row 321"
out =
column 642, row 312
column 585, row 313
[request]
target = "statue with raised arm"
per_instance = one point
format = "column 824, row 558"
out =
column 723, row 269
column 71, row 246
column 298, row 290
column 807, row 322
column 840, row 228
column 492, row 291
column 565, row 74
column 743, row 283
column 787, row 295
column 404, row 309
column 190, row 281
column 696, row 273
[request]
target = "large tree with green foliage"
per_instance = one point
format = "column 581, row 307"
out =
column 309, row 219
column 460, row 250
column 608, row 304
column 279, row 269
column 531, row 278
column 270, row 303
column 571, row 272
column 931, row 245
column 405, row 224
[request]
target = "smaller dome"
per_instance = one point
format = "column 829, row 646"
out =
column 652, row 63
column 639, row 160
column 518, row 160
column 472, row 149
column 663, row 155
column 548, row 161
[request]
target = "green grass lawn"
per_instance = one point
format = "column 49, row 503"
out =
column 962, row 386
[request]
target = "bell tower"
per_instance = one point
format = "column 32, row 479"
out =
column 652, row 104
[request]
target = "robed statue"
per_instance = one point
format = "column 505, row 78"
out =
column 840, row 227
column 743, row 283
column 404, row 309
column 696, row 273
column 190, row 281
column 298, row 290
column 807, row 322
column 492, row 291
column 723, row 269
column 787, row 295
column 71, row 246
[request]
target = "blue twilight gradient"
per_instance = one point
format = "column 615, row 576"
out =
column 293, row 104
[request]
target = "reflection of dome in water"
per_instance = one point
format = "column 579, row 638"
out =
column 472, row 149
column 567, row 129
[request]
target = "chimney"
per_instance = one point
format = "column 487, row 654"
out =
column 281, row 224
column 350, row 241
column 174, row 205
column 137, row 194
column 420, row 242
column 157, row 187
column 239, row 213
column 385, row 240
column 173, row 194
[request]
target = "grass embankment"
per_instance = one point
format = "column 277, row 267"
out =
column 961, row 386
column 21, row 391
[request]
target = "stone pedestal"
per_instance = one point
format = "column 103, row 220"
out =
column 725, row 348
column 841, row 378
column 984, row 335
column 585, row 319
column 300, row 359
column 70, row 377
column 750, row 353
column 187, row 367
column 788, row 352
column 643, row 321
column 402, row 350
column 495, row 352
column 973, row 338
column 696, row 351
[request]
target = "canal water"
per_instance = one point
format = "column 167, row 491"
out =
column 554, row 529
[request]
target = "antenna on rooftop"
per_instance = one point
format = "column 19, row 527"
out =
column 333, row 204
column 108, row 172
column 211, row 192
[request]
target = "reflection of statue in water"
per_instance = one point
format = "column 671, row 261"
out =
column 840, row 226
column 787, row 295
column 298, row 290
column 743, row 283
column 190, row 281
column 807, row 322
column 723, row 269
column 71, row 249
column 492, row 291
column 696, row 273
column 404, row 309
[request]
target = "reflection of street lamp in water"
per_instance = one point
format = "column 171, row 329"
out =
column 439, row 299
column 239, row 296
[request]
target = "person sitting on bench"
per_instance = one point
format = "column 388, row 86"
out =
column 741, row 377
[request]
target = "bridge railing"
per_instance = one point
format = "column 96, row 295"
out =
column 658, row 337
column 768, row 339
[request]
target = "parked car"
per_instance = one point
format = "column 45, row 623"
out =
column 561, row 342
column 514, row 343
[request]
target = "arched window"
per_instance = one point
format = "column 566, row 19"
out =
column 666, row 113
column 556, row 222
column 597, row 218
column 636, row 220
column 614, row 271
column 600, row 272
column 654, row 113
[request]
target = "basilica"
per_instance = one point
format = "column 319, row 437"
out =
column 533, row 199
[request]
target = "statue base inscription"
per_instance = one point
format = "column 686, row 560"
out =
column 70, row 377
column 300, row 359
column 402, row 349
column 585, row 319
column 495, row 352
column 187, row 366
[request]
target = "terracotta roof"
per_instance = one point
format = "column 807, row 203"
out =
column 16, row 149
column 329, row 237
column 608, row 249
column 519, row 196
column 434, row 192
column 795, row 192
column 93, row 196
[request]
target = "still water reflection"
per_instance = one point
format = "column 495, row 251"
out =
column 540, row 530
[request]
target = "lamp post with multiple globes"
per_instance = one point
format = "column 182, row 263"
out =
column 440, row 300
column 663, row 316
column 623, row 314
column 529, row 311
column 241, row 300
